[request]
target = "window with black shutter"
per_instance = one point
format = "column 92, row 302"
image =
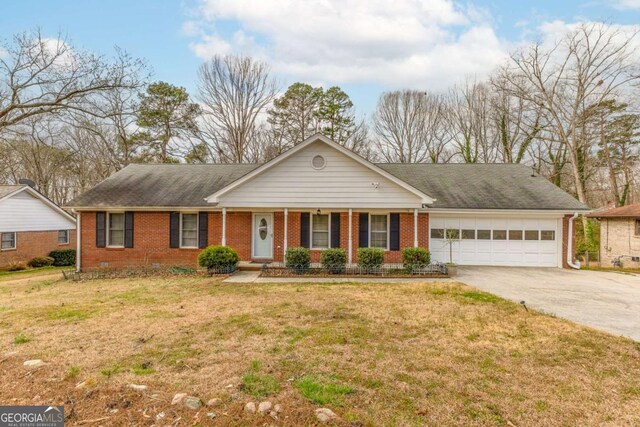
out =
column 363, row 230
column 304, row 229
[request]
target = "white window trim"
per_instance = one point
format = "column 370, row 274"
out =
column 109, row 245
column 67, row 240
column 328, row 232
column 197, row 230
column 15, row 240
column 388, row 230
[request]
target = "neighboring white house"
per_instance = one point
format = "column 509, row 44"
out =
column 31, row 225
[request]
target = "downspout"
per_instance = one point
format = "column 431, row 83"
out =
column 570, row 263
column 78, row 242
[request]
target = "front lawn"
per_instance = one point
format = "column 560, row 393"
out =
column 375, row 354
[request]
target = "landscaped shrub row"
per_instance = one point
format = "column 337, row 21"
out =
column 335, row 259
column 40, row 261
column 63, row 257
column 218, row 259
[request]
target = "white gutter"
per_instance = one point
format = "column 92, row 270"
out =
column 575, row 265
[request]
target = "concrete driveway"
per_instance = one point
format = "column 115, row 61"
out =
column 606, row 301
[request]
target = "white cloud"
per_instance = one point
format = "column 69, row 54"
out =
column 626, row 4
column 407, row 43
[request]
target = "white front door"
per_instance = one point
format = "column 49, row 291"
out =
column 263, row 235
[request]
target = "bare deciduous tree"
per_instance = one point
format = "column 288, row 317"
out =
column 40, row 76
column 585, row 67
column 409, row 127
column 234, row 91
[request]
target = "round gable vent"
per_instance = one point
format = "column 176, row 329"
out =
column 318, row 162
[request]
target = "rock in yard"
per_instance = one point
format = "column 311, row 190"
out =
column 35, row 363
column 216, row 401
column 211, row 415
column 277, row 408
column 264, row 407
column 138, row 387
column 192, row 402
column 325, row 415
column 178, row 398
column 250, row 407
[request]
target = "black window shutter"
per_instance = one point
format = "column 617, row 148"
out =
column 128, row 229
column 363, row 232
column 203, row 229
column 174, row 229
column 335, row 229
column 304, row 229
column 394, row 229
column 101, row 226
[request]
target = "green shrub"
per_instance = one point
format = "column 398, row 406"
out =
column 370, row 258
column 221, row 259
column 16, row 266
column 299, row 259
column 40, row 261
column 413, row 258
column 334, row 260
column 63, row 257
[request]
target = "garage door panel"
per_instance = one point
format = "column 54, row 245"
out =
column 523, row 249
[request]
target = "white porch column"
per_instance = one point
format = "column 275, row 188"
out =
column 78, row 245
column 415, row 228
column 285, row 242
column 224, row 227
column 350, row 237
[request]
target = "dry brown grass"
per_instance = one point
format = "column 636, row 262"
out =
column 391, row 354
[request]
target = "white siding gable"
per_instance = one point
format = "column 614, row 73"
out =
column 24, row 212
column 342, row 183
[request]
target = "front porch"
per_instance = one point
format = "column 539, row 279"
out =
column 264, row 235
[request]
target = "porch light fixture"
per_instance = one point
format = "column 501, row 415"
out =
column 318, row 212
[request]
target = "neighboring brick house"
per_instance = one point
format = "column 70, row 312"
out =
column 320, row 195
column 31, row 225
column 619, row 236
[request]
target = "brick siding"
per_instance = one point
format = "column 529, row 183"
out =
column 151, row 239
column 617, row 237
column 31, row 244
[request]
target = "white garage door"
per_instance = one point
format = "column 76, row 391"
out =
column 508, row 241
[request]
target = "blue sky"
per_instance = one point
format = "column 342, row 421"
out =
column 364, row 46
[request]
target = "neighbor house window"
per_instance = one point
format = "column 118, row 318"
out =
column 115, row 225
column 637, row 227
column 8, row 241
column 547, row 235
column 379, row 234
column 63, row 237
column 320, row 231
column 188, row 230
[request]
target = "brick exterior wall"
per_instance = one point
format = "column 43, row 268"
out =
column 617, row 237
column 31, row 244
column 151, row 239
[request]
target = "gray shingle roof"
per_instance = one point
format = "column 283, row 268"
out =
column 161, row 185
column 484, row 186
column 455, row 186
column 8, row 189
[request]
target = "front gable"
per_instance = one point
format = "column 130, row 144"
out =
column 28, row 210
column 336, row 178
